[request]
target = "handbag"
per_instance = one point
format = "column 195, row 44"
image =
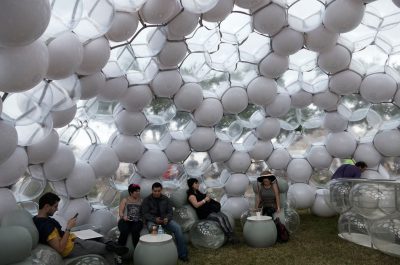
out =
column 282, row 232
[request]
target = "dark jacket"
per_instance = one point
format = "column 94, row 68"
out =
column 150, row 208
column 347, row 171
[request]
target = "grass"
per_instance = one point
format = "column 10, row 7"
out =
column 315, row 243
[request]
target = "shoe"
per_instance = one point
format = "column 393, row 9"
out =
column 184, row 259
column 117, row 249
column 118, row 260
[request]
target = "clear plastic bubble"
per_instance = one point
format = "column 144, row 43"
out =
column 246, row 141
column 252, row 116
column 207, row 234
column 160, row 111
column 304, row 16
column 174, row 177
column 204, row 39
column 181, row 126
column 102, row 195
column 197, row 163
column 148, row 42
column 229, row 128
column 292, row 219
column 339, row 195
column 31, row 185
column 156, row 137
column 385, row 235
column 123, row 176
column 186, row 217
column 129, row 5
column 216, row 175
column 354, row 228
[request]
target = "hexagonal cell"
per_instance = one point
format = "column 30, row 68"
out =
column 391, row 165
column 148, row 42
column 197, row 163
column 304, row 60
column 350, row 104
column 243, row 74
column 289, row 81
column 156, row 137
column 254, row 48
column 174, row 177
column 214, row 84
column 314, row 81
column 102, row 195
column 305, row 15
column 311, row 116
column 372, row 58
column 30, row 186
column 141, row 70
column 389, row 113
column 364, row 124
column 303, row 139
column 358, row 38
column 123, row 176
column 246, row 141
column 320, row 177
column 381, row 15
column 255, row 169
column 252, row 116
column 104, row 128
column 229, row 128
column 160, row 111
column 225, row 58
column 194, row 68
column 290, row 121
column 284, row 138
column 236, row 27
column 216, row 175
column 204, row 40
column 182, row 125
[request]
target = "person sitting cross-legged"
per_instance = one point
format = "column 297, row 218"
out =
column 65, row 242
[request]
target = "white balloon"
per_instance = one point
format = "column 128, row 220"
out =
column 302, row 194
column 91, row 84
column 123, row 26
column 335, row 122
column 320, row 207
column 299, row 170
column 279, row 159
column 8, row 140
column 209, row 113
column 65, row 56
column 335, row 59
column 69, row 208
column 287, row 42
column 7, row 202
column 219, row 12
column 189, row 97
column 81, row 180
column 130, row 123
column 396, row 2
column 262, row 150
column 262, row 91
column 326, row 100
column 343, row 15
column 23, row 21
column 95, row 56
column 236, row 185
column 234, row 100
column 152, row 164
column 221, row 151
column 61, row 118
column 341, row 144
column 113, row 89
column 136, row 98
column 104, row 219
column 202, row 139
column 301, row 99
column 239, row 162
column 60, row 165
column 366, row 152
column 273, row 65
column 268, row 129
column 182, row 25
column 13, row 168
column 319, row 157
column 167, row 83
column 158, row 11
column 43, row 150
column 235, row 206
column 279, row 106
column 252, row 4
column 387, row 88
column 320, row 39
column 129, row 149
column 270, row 19
column 172, row 54
column 22, row 68
column 102, row 159
column 177, row 151
column 345, row 83
column 385, row 141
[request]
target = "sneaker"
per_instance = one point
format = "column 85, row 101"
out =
column 184, row 259
column 117, row 249
column 118, row 260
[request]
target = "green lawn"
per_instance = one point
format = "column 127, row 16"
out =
column 316, row 242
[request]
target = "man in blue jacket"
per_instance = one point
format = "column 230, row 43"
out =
column 350, row 171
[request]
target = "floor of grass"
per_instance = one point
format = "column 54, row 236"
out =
column 315, row 243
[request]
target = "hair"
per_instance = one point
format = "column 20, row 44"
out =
column 48, row 198
column 156, row 185
column 361, row 164
column 190, row 183
column 133, row 187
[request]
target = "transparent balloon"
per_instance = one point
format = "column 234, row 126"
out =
column 197, row 163
column 252, row 116
column 155, row 137
column 102, row 195
column 31, row 185
column 216, row 175
column 229, row 128
column 174, row 177
column 186, row 217
column 207, row 234
column 160, row 111
column 181, row 125
column 385, row 235
column 354, row 228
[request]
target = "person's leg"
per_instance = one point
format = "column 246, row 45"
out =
column 86, row 247
column 124, row 230
column 225, row 221
column 175, row 228
column 217, row 218
column 268, row 211
column 135, row 231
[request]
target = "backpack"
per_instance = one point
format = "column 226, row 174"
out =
column 282, row 232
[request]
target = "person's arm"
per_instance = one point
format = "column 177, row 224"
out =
column 275, row 188
column 59, row 243
column 193, row 201
column 146, row 211
column 258, row 197
column 122, row 205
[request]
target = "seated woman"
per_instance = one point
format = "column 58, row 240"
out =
column 268, row 194
column 207, row 208
column 130, row 221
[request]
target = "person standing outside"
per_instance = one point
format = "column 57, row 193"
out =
column 350, row 171
column 157, row 210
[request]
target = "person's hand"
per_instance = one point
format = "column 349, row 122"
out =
column 165, row 221
column 207, row 199
column 125, row 218
column 278, row 210
column 71, row 223
column 159, row 221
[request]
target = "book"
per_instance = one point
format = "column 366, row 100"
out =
column 87, row 234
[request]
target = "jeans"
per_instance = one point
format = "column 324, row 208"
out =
column 175, row 228
column 86, row 247
column 268, row 211
column 129, row 227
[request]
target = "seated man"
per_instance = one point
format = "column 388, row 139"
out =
column 350, row 171
column 157, row 209
column 65, row 242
